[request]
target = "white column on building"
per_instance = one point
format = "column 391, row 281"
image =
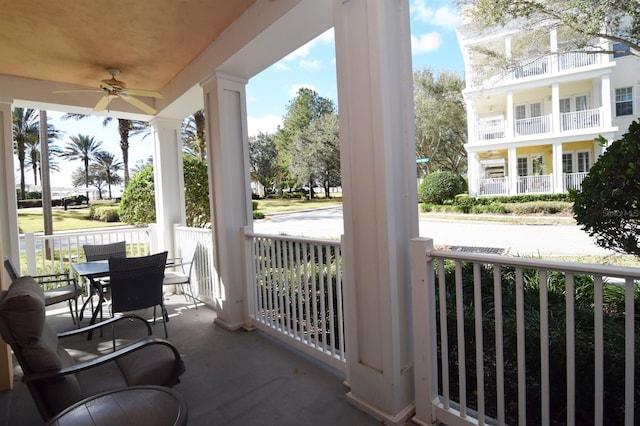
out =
column 473, row 174
column 558, row 175
column 607, row 111
column 511, row 124
column 8, row 198
column 228, row 157
column 377, row 149
column 555, row 108
column 553, row 45
column 513, row 171
column 168, row 179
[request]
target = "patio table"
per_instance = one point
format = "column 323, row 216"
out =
column 92, row 271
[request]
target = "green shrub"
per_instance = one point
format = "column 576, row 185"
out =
column 540, row 207
column 257, row 214
column 254, row 205
column 425, row 207
column 105, row 213
column 441, row 186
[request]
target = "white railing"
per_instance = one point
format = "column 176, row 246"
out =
column 574, row 180
column 578, row 120
column 540, row 66
column 54, row 253
column 539, row 184
column 494, row 186
column 508, row 340
column 572, row 60
column 204, row 278
column 295, row 293
column 533, row 126
column 490, row 131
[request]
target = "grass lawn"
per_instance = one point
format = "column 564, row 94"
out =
column 276, row 205
column 30, row 220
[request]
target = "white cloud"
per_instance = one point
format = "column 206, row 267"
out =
column 264, row 124
column 425, row 43
column 293, row 91
column 303, row 51
column 444, row 16
column 310, row 65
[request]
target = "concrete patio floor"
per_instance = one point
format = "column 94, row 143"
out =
column 231, row 378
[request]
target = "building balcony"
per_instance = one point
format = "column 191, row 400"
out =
column 538, row 184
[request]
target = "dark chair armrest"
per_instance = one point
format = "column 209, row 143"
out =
column 86, row 365
column 105, row 323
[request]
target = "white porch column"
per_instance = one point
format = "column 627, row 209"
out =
column 558, row 174
column 511, row 124
column 377, row 149
column 169, row 179
column 473, row 174
column 607, row 111
column 8, row 199
column 9, row 243
column 555, row 109
column 229, row 177
column 513, row 171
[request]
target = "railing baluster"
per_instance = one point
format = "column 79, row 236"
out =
column 522, row 377
column 477, row 297
column 571, row 345
column 629, row 346
column 544, row 348
column 462, row 369
column 330, row 297
column 444, row 340
column 497, row 300
column 598, row 325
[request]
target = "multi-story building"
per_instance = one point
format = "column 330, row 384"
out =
column 533, row 128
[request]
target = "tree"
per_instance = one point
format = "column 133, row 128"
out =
column 440, row 186
column 138, row 200
column 193, row 135
column 126, row 129
column 78, row 178
column 106, row 167
column 84, row 148
column 440, row 121
column 582, row 22
column 32, row 158
column 26, row 129
column 316, row 154
column 608, row 206
column 263, row 155
column 301, row 111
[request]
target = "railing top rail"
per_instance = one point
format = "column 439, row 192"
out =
column 110, row 230
column 582, row 268
column 336, row 243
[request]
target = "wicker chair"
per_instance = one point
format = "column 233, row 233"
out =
column 136, row 283
column 57, row 288
column 54, row 378
column 96, row 252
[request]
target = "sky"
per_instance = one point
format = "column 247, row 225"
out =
column 433, row 45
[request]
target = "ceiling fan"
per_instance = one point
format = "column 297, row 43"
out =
column 114, row 88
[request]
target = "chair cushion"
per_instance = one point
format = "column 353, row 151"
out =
column 22, row 315
column 61, row 294
column 171, row 278
column 151, row 365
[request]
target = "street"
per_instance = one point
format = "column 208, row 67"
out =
column 505, row 238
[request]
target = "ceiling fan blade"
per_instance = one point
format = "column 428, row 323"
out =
column 78, row 91
column 103, row 103
column 141, row 92
column 138, row 104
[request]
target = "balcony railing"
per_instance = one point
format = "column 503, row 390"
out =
column 572, row 60
column 578, row 120
column 574, row 180
column 506, row 340
column 536, row 67
column 204, row 277
column 295, row 288
column 494, row 186
column 491, row 130
column 533, row 126
column 538, row 184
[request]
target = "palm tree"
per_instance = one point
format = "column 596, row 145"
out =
column 193, row 135
column 126, row 128
column 85, row 148
column 32, row 159
column 107, row 166
column 26, row 128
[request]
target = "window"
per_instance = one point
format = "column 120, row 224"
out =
column 624, row 101
column 537, row 165
column 522, row 166
column 620, row 50
column 565, row 105
column 581, row 103
column 584, row 162
column 567, row 163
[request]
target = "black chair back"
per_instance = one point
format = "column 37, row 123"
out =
column 10, row 269
column 95, row 252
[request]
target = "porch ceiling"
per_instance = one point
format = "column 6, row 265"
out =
column 168, row 46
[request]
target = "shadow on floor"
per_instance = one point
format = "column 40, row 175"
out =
column 231, row 378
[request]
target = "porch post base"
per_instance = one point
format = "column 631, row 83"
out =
column 398, row 419
column 228, row 326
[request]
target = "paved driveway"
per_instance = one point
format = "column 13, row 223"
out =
column 529, row 240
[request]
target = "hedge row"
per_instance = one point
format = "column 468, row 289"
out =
column 105, row 213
